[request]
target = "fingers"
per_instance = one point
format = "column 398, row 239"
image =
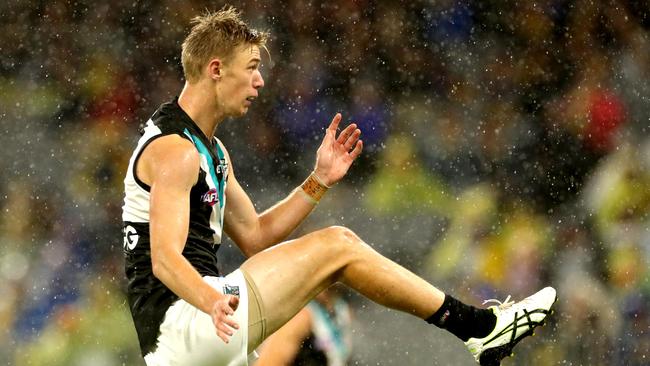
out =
column 225, row 332
column 343, row 136
column 357, row 150
column 335, row 123
column 226, row 328
column 352, row 139
column 231, row 323
column 222, row 318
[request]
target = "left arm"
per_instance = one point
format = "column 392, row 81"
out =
column 255, row 232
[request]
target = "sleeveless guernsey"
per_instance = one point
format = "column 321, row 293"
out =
column 149, row 298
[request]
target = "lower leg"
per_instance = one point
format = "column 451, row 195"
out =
column 389, row 284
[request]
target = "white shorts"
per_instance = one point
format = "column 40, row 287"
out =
column 188, row 336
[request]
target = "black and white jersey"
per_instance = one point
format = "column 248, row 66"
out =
column 149, row 298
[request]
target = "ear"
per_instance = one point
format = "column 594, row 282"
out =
column 215, row 69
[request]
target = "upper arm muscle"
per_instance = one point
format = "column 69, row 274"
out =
column 169, row 165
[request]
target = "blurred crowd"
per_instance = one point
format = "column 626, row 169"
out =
column 518, row 131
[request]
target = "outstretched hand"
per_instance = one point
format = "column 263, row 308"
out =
column 336, row 154
column 221, row 315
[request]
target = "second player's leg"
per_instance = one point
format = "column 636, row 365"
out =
column 292, row 273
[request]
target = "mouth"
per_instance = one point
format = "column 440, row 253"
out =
column 251, row 99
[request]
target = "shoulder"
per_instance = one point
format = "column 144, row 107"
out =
column 174, row 147
column 172, row 155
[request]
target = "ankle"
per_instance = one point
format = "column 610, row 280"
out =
column 462, row 320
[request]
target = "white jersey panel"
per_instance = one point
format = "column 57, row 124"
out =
column 136, row 198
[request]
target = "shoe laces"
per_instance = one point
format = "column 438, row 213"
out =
column 502, row 305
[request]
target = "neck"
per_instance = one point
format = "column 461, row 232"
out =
column 199, row 102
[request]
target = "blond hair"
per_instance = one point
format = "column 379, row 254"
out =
column 216, row 34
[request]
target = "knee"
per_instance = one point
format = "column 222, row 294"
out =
column 341, row 238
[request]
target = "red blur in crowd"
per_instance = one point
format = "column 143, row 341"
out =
column 606, row 114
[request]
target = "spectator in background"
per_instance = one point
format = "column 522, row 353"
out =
column 401, row 183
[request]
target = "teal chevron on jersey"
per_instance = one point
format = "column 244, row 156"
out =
column 224, row 172
column 203, row 150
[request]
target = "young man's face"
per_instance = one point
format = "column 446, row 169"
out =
column 241, row 80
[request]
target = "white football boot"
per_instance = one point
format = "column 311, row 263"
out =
column 515, row 321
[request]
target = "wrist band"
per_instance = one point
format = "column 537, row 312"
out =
column 320, row 181
column 314, row 188
column 307, row 197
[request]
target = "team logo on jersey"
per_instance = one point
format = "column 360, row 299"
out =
column 222, row 169
column 211, row 197
column 231, row 290
column 130, row 237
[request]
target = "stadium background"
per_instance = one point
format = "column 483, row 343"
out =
column 507, row 148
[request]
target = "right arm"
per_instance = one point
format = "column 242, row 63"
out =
column 282, row 347
column 254, row 232
column 170, row 166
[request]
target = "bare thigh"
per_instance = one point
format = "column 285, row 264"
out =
column 290, row 274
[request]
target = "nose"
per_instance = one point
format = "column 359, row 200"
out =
column 258, row 80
